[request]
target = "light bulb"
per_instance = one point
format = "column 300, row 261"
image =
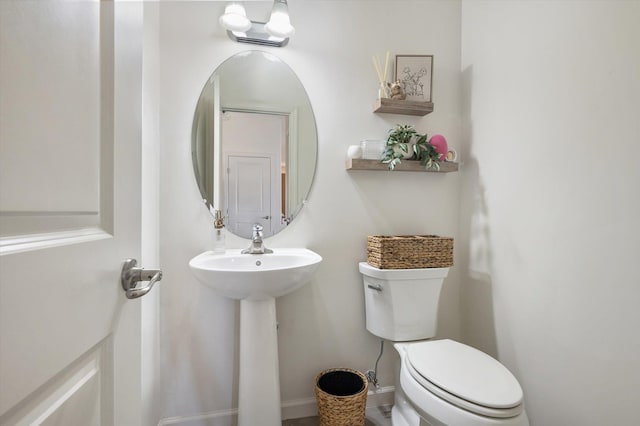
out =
column 235, row 17
column 279, row 24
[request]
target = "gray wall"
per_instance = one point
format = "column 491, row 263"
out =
column 551, row 202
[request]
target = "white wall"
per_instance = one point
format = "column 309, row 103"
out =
column 150, row 226
column 551, row 202
column 322, row 324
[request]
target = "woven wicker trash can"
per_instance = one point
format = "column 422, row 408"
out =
column 341, row 394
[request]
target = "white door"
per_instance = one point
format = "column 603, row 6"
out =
column 248, row 193
column 70, row 102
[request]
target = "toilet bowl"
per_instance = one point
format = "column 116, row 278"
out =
column 439, row 382
column 449, row 383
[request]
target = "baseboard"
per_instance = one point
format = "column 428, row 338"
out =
column 212, row 418
column 306, row 407
column 292, row 409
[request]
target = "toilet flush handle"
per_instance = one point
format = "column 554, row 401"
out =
column 375, row 287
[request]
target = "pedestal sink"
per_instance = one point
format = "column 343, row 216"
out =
column 256, row 280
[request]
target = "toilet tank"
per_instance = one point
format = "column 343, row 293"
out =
column 402, row 304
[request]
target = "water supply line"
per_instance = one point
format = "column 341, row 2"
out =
column 372, row 375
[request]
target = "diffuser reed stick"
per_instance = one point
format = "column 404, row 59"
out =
column 386, row 67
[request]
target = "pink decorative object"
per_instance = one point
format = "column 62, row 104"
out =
column 440, row 144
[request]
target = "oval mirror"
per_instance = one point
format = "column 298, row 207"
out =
column 254, row 143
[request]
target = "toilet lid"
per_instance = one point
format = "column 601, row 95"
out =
column 465, row 373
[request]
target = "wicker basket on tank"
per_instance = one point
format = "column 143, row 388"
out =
column 342, row 402
column 409, row 251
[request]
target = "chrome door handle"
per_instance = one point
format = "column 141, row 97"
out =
column 131, row 275
column 266, row 217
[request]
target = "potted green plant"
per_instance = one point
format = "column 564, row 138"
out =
column 397, row 147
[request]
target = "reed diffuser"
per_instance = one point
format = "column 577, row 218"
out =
column 382, row 76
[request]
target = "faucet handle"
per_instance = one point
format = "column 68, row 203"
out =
column 257, row 227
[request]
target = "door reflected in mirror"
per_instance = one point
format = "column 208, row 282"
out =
column 255, row 185
column 254, row 143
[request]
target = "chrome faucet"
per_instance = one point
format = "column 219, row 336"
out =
column 257, row 246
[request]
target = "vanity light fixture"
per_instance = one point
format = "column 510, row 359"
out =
column 275, row 33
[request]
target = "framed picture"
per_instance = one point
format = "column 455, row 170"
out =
column 415, row 73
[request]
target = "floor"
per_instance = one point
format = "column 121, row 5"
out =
column 377, row 416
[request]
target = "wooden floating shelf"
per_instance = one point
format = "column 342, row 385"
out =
column 391, row 106
column 405, row 166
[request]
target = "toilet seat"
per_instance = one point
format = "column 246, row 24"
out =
column 465, row 377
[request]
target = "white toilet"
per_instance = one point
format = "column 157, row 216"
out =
column 441, row 382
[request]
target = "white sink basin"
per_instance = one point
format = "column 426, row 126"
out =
column 255, row 276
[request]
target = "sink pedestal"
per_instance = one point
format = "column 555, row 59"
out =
column 259, row 384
